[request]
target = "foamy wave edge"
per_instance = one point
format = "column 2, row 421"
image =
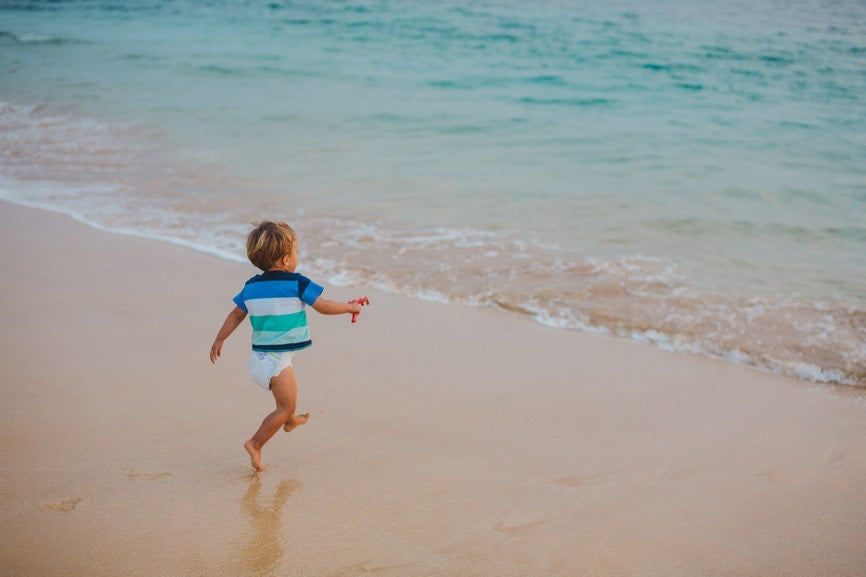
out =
column 123, row 231
column 339, row 275
column 564, row 320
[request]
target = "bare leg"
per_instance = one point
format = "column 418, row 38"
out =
column 285, row 390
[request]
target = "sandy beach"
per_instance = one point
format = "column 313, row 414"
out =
column 443, row 440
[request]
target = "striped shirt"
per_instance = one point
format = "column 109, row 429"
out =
column 276, row 303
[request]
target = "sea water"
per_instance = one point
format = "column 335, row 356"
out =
column 685, row 172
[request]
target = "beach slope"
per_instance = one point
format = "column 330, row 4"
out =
column 443, row 440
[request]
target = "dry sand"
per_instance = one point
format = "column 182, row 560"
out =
column 443, row 440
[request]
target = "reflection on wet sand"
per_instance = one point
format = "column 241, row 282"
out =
column 263, row 548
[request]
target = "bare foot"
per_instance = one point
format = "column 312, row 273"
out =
column 255, row 456
column 296, row 421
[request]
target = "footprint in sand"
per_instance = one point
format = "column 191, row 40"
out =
column 773, row 475
column 365, row 569
column 519, row 530
column 133, row 475
column 63, row 506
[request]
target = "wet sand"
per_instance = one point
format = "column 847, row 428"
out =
column 442, row 440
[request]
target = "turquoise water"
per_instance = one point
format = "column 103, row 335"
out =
column 687, row 173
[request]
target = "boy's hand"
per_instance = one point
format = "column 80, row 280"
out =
column 234, row 318
column 215, row 350
column 355, row 306
column 355, row 309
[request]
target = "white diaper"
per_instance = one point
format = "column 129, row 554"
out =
column 266, row 365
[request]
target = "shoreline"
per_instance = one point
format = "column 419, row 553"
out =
column 834, row 373
column 443, row 440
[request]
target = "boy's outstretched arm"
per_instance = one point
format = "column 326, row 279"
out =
column 234, row 318
column 329, row 307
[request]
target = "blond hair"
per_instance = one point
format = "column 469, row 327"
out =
column 269, row 242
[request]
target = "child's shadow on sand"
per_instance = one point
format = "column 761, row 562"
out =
column 262, row 551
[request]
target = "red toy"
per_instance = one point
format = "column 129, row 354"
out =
column 361, row 301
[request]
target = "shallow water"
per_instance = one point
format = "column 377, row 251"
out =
column 687, row 173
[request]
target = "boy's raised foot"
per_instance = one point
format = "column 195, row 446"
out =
column 296, row 421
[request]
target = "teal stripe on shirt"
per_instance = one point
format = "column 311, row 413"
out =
column 268, row 339
column 279, row 323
